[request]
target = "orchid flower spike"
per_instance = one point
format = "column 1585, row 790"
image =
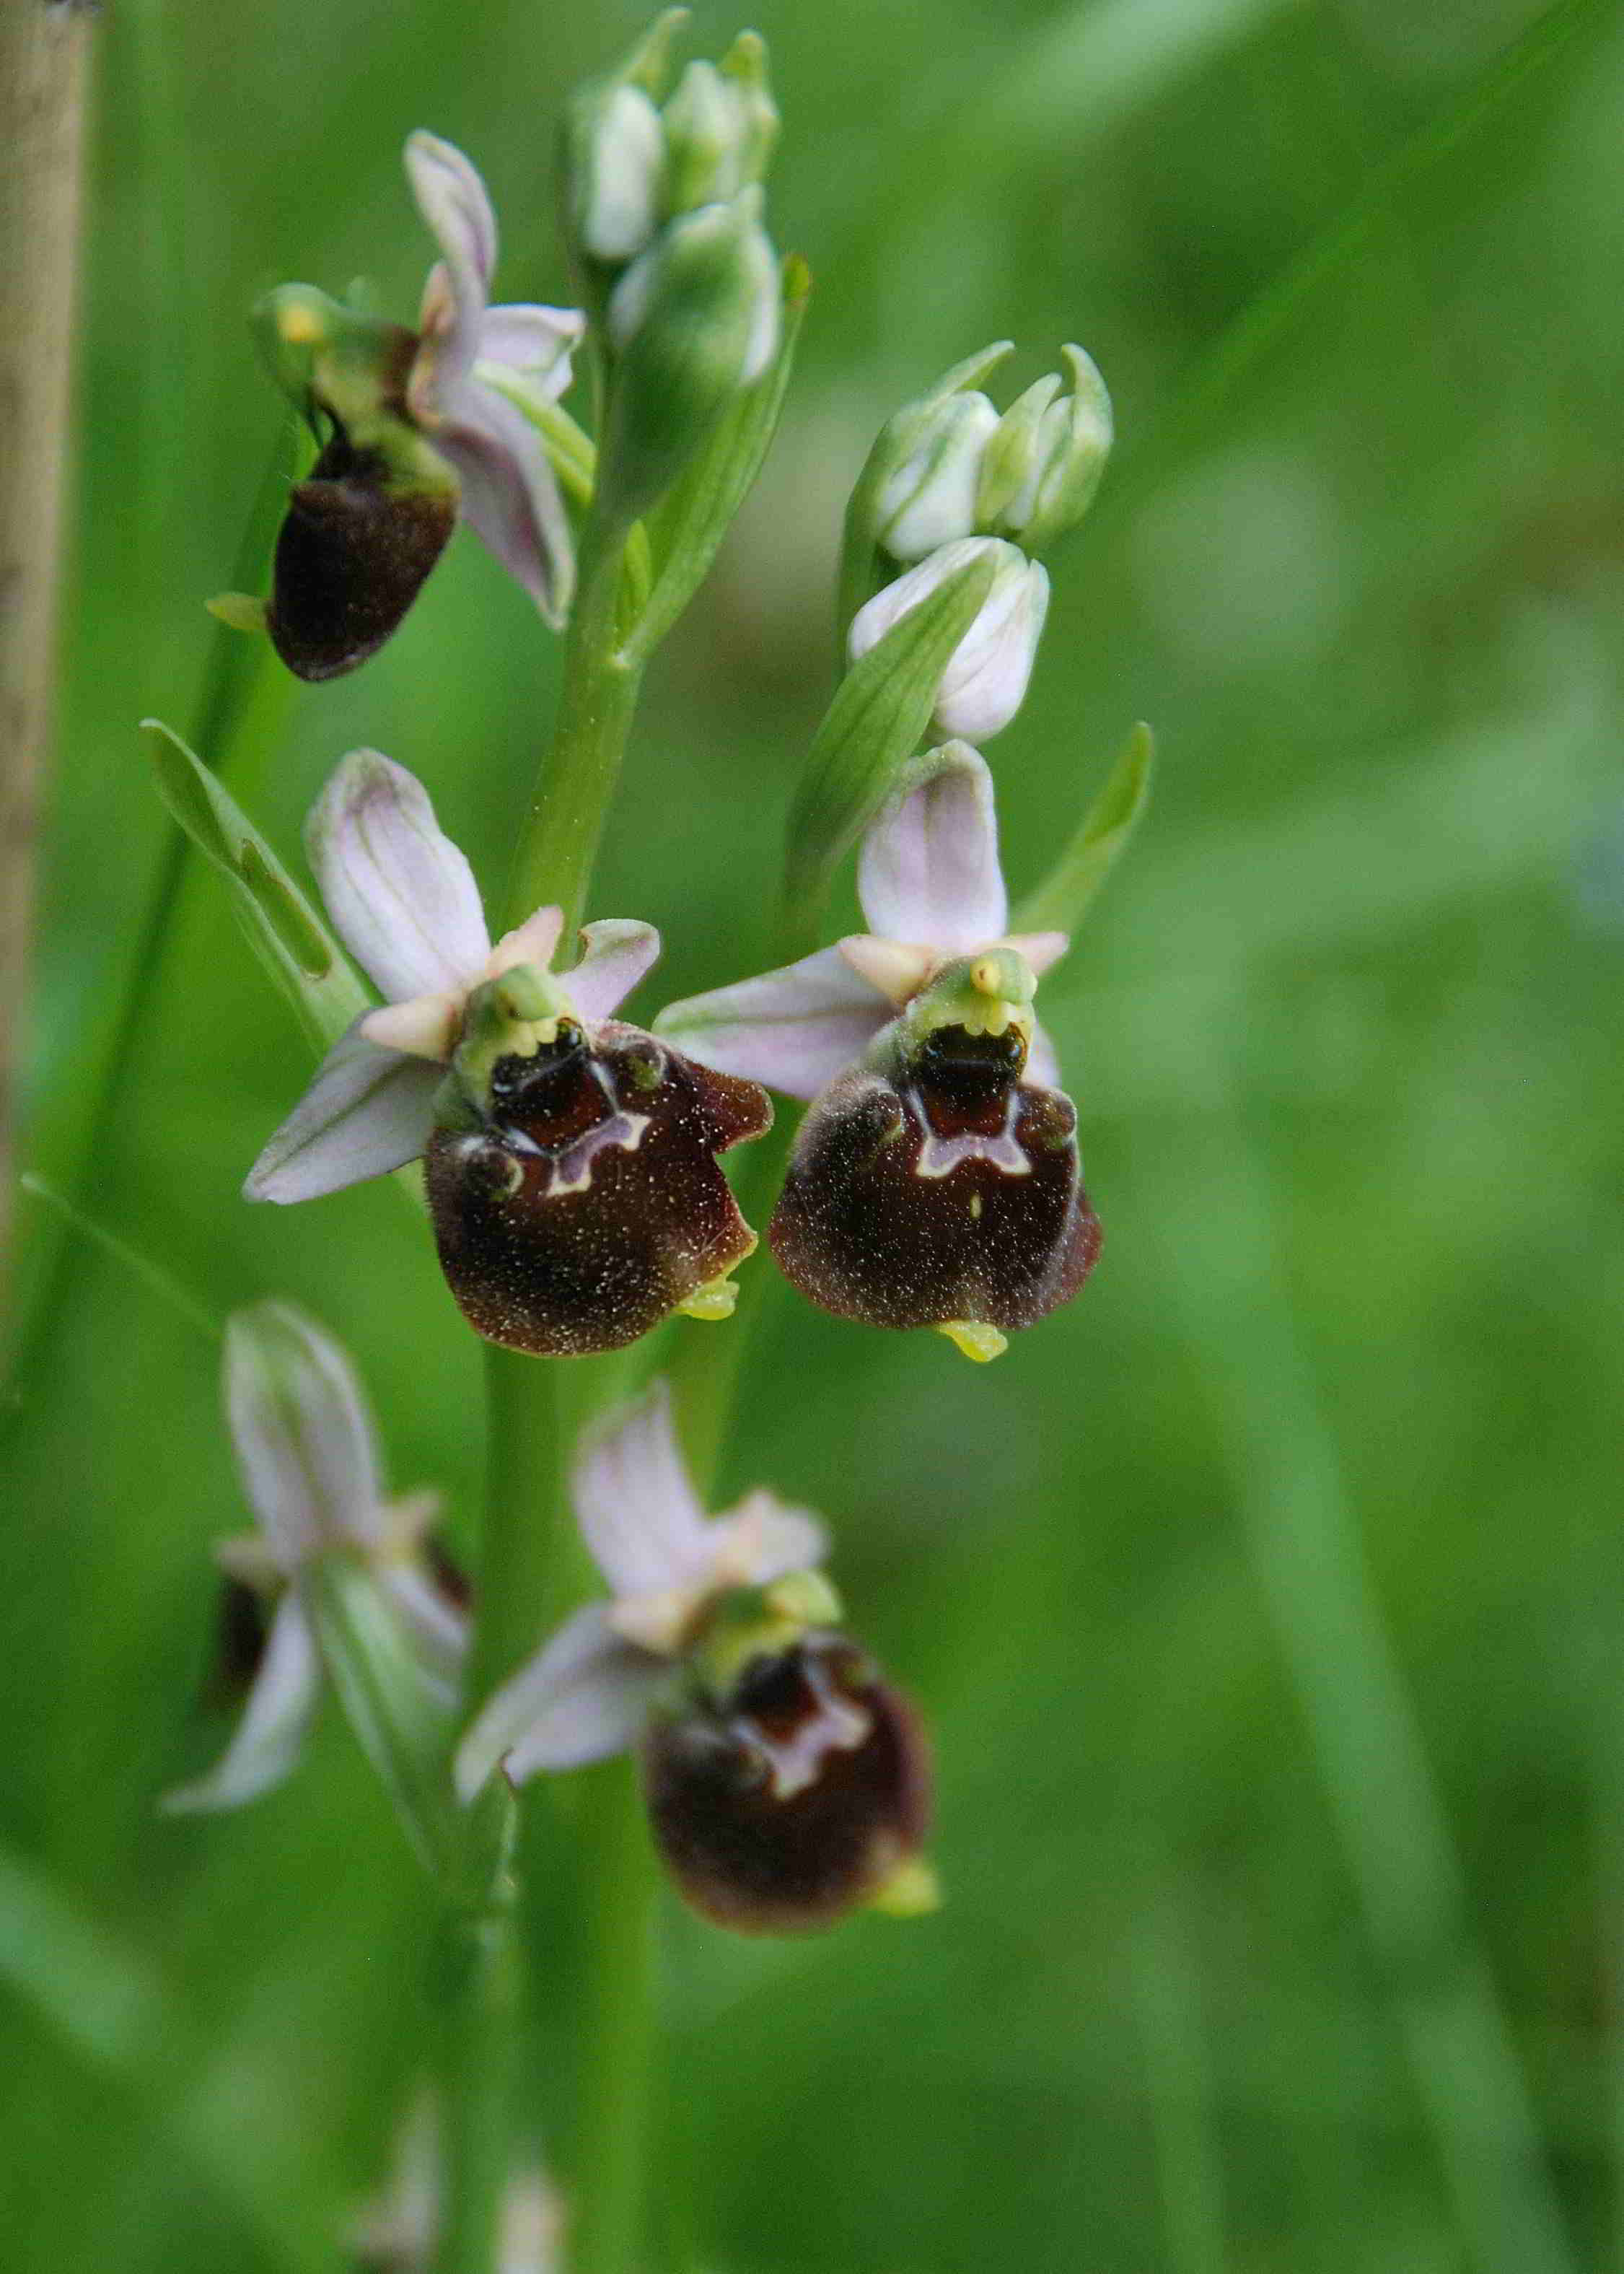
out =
column 786, row 1781
column 415, row 427
column 572, row 1169
column 307, row 1452
column 936, row 1180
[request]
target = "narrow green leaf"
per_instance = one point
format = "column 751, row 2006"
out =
column 286, row 911
column 401, row 1725
column 1068, row 891
column 880, row 712
column 290, row 938
column 688, row 525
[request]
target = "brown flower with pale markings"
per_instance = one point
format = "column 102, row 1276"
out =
column 787, row 1782
column 415, row 428
column 936, row 1180
column 572, row 1169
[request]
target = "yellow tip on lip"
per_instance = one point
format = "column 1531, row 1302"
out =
column 716, row 1300
column 913, row 1891
column 976, row 1341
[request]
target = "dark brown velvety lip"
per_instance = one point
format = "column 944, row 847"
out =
column 764, row 1860
column 591, row 1204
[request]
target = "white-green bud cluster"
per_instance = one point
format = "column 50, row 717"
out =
column 635, row 165
column 665, row 207
column 952, row 480
column 949, row 467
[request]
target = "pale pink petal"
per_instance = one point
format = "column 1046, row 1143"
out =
column 534, row 344
column 534, row 941
column 274, row 1723
column 929, row 869
column 637, row 1511
column 618, row 951
column 893, row 970
column 761, row 1540
column 581, row 1698
column 305, row 1444
column 1042, row 1065
column 403, row 896
column 452, row 199
column 510, row 494
column 424, row 1027
column 368, row 1111
column 1041, row 950
column 794, row 1029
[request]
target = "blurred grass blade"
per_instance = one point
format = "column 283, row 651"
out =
column 96, row 1996
column 1067, row 893
column 874, row 726
column 102, row 2000
column 689, row 524
column 153, row 1276
column 283, row 929
column 1167, row 1993
column 1353, row 236
column 1223, row 1263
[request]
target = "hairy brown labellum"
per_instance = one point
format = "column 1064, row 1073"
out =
column 589, row 1203
column 242, row 1627
column 954, row 1194
column 782, row 1805
column 350, row 559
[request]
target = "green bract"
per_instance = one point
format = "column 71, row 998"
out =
column 871, row 731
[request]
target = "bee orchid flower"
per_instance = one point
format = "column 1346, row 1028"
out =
column 934, row 1181
column 572, row 1171
column 415, row 427
column 787, row 1781
column 307, row 1452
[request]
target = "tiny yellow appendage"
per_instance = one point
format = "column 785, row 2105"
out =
column 240, row 611
column 975, row 1341
column 714, row 1301
column 913, row 1891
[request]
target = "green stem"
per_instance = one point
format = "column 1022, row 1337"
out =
column 577, row 777
column 525, row 1517
column 532, row 1560
column 481, row 2001
column 616, row 1907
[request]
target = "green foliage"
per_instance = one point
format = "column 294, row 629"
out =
column 1066, row 894
column 1232, row 1977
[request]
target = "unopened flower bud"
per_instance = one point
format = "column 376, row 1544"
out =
column 797, row 1793
column 1053, row 462
column 929, row 499
column 985, row 682
column 744, row 68
column 693, row 319
column 933, row 1184
column 617, row 159
column 703, row 129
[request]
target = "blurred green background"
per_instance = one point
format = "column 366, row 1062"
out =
column 1267, row 1604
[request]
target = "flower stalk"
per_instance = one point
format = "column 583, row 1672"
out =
column 44, row 54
